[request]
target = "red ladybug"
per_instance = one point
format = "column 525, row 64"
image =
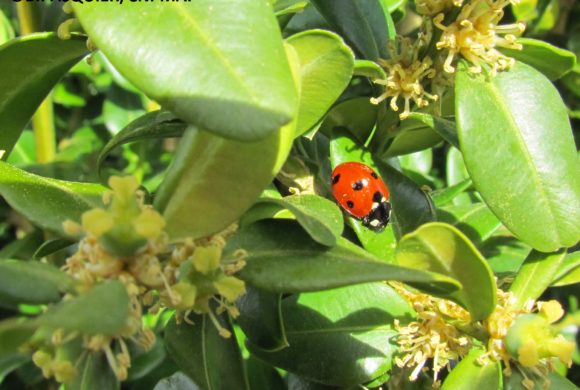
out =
column 362, row 194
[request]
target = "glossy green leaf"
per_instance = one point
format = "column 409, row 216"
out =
column 261, row 318
column 31, row 282
column 475, row 220
column 52, row 246
column 41, row 60
column 212, row 361
column 320, row 217
column 14, row 332
column 296, row 382
column 505, row 254
column 357, row 115
column 441, row 248
column 47, row 202
column 554, row 381
column 569, row 271
column 284, row 7
column 177, row 381
column 232, row 79
column 344, row 148
column 362, row 23
column 121, row 107
column 418, row 163
column 283, row 258
column 153, row 125
column 326, row 66
column 347, row 334
column 446, row 195
column 518, row 147
column 144, row 362
column 413, row 136
column 552, row 61
column 263, row 376
column 6, row 30
column 469, row 374
column 369, row 69
column 536, row 275
column 455, row 173
column 93, row 372
column 218, row 179
column 12, row 361
column 444, row 127
column 84, row 313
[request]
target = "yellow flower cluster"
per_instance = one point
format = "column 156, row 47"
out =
column 125, row 241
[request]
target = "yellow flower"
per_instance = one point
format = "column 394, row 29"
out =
column 230, row 287
column 97, row 222
column 206, row 259
column 149, row 223
column 475, row 35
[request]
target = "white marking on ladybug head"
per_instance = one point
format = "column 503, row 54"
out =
column 375, row 205
column 374, row 223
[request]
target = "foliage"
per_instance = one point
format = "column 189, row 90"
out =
column 169, row 220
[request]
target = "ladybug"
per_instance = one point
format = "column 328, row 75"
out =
column 362, row 194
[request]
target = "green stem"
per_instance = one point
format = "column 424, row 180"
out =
column 43, row 119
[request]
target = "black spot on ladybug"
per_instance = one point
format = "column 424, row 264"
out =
column 350, row 204
column 374, row 175
column 357, row 185
column 335, row 179
column 377, row 197
column 378, row 218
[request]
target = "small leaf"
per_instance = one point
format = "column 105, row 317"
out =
column 261, row 319
column 552, row 61
column 469, row 374
column 47, row 202
column 369, row 69
column 212, row 361
column 518, row 147
column 505, row 254
column 31, row 282
column 283, row 258
column 263, row 376
column 441, row 248
column 321, row 218
column 52, row 246
column 347, row 334
column 569, row 265
column 14, row 332
column 554, row 381
column 536, row 275
column 446, row 195
column 93, row 372
column 213, row 181
column 41, row 60
column 157, row 124
column 445, row 128
column 412, row 137
column 231, row 79
column 475, row 220
column 84, row 313
column 326, row 66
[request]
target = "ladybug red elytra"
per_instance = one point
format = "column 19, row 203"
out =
column 362, row 194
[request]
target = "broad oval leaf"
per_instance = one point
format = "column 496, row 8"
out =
column 84, row 313
column 41, row 60
column 475, row 220
column 213, row 180
column 31, row 282
column 283, row 258
column 227, row 73
column 469, row 374
column 157, row 124
column 212, row 361
column 326, row 66
column 517, row 143
column 320, row 217
column 548, row 59
column 347, row 334
column 536, row 275
column 441, row 248
column 47, row 202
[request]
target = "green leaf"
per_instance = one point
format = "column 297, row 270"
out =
column 12, row 361
column 47, row 202
column 153, row 125
column 212, row 361
column 261, row 318
column 357, row 115
column 569, row 271
column 263, row 376
column 412, row 137
column 321, row 218
column 369, row 69
column 344, row 148
column 362, row 23
column 104, row 309
column 469, row 374
column 326, row 66
column 231, row 79
column 31, row 282
column 444, row 127
column 283, row 258
column 441, row 248
column 347, row 334
column 536, row 275
column 144, row 362
column 446, row 195
column 14, row 332
column 455, row 173
column 120, row 108
column 417, row 163
column 475, row 220
column 177, row 381
column 31, row 66
column 93, row 372
column 6, row 30
column 218, row 179
column 505, row 254
column 52, row 246
column 518, row 147
column 554, row 381
column 552, row 61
